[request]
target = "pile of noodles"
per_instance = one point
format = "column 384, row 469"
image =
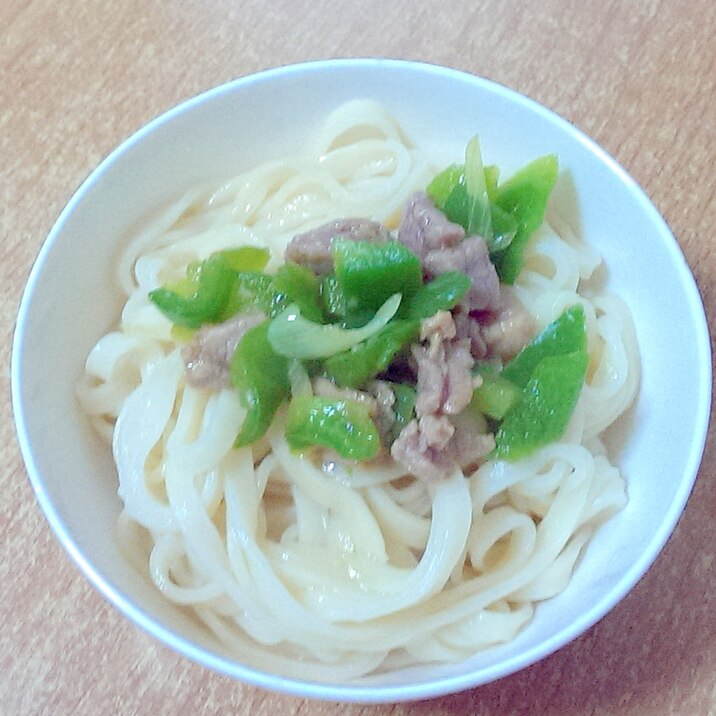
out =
column 334, row 571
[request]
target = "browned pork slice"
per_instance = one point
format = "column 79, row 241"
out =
column 207, row 357
column 469, row 329
column 512, row 328
column 422, row 447
column 384, row 417
column 472, row 258
column 502, row 333
column 434, row 446
column 442, row 247
column 444, row 378
column 431, row 447
column 313, row 248
column 424, row 227
column 444, row 365
column 471, row 449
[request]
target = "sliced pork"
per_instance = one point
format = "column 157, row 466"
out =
column 472, row 258
column 502, row 333
column 313, row 248
column 424, row 227
column 434, row 446
column 437, row 442
column 511, row 329
column 444, row 365
column 208, row 356
column 422, row 447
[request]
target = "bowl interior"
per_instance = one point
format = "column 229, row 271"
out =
column 70, row 302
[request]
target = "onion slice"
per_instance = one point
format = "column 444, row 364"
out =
column 293, row 336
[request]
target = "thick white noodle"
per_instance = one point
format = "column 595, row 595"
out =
column 336, row 571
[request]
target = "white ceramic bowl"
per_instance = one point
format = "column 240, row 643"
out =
column 69, row 302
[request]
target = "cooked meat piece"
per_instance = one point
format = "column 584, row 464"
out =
column 497, row 334
column 512, row 328
column 444, row 377
column 440, row 326
column 421, row 447
column 313, row 248
column 384, row 417
column 472, row 258
column 425, row 227
column 436, row 430
column 433, row 446
column 469, row 329
column 207, row 357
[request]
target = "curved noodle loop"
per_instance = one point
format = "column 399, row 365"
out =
column 335, row 571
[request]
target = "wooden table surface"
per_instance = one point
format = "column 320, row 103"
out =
column 81, row 75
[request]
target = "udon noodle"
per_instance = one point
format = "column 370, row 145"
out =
column 336, row 571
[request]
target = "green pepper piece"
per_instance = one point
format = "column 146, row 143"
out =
column 404, row 406
column 457, row 205
column 333, row 300
column 201, row 297
column 261, row 377
column 443, row 293
column 565, row 335
column 369, row 273
column 356, row 366
column 246, row 258
column 492, row 176
column 299, row 285
column 463, row 193
column 442, row 185
column 525, row 196
column 342, row 425
column 253, row 289
column 496, row 395
column 504, row 229
column 541, row 414
column 338, row 308
column 504, row 225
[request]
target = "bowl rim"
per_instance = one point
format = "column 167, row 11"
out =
column 346, row 692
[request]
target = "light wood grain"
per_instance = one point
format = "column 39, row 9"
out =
column 78, row 77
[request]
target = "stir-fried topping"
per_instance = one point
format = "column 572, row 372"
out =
column 408, row 343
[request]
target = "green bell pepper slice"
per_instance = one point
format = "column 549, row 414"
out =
column 342, row 425
column 355, row 367
column 369, row 273
column 261, row 378
column 549, row 373
column 567, row 334
column 201, row 297
column 524, row 196
column 333, row 299
column 496, row 395
column 404, row 406
column 246, row 258
column 253, row 289
column 449, row 192
column 299, row 285
column 443, row 293
column 542, row 413
column 444, row 183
